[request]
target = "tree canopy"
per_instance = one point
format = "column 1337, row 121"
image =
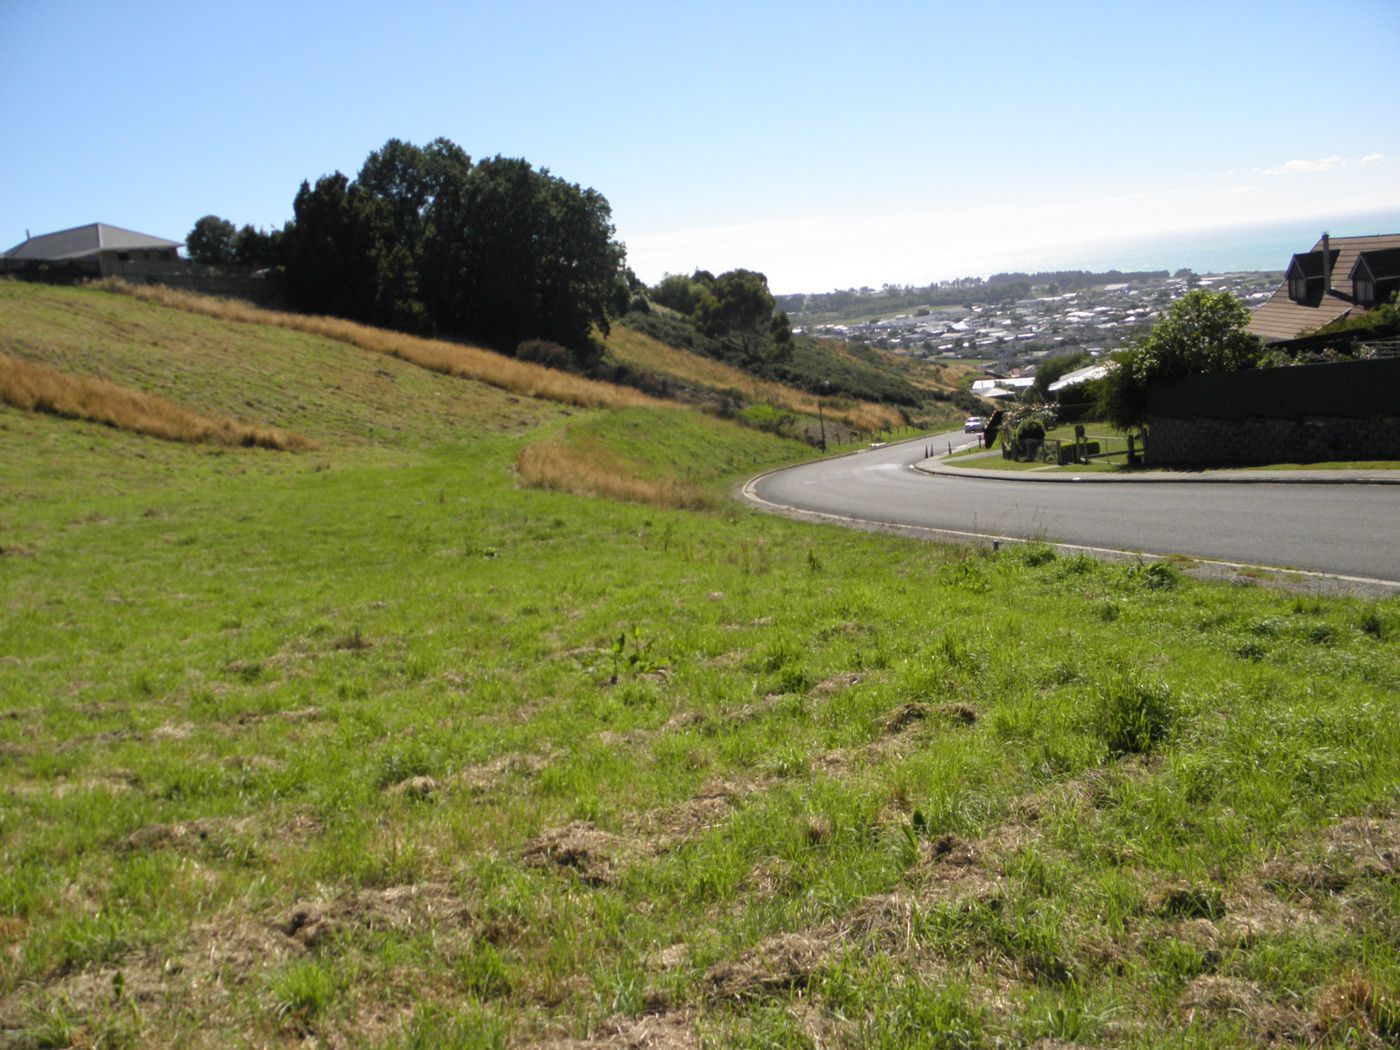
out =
column 423, row 239
column 738, row 307
column 211, row 241
column 1200, row 332
column 215, row 242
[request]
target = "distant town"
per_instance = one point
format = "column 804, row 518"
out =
column 1016, row 334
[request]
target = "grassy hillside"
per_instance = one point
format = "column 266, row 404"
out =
column 669, row 457
column 649, row 354
column 252, row 372
column 853, row 381
column 374, row 745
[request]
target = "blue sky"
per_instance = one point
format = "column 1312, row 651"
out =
column 827, row 144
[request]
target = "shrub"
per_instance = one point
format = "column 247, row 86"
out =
column 1031, row 430
column 543, row 352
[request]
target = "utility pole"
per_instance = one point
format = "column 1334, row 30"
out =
column 822, row 419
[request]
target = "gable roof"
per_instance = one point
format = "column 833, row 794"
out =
column 1309, row 264
column 1282, row 318
column 85, row 240
column 1382, row 265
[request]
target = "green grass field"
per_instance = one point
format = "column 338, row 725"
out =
column 372, row 746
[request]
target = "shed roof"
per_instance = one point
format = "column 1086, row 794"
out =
column 85, row 240
column 1079, row 375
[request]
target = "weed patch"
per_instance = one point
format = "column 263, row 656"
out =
column 1134, row 714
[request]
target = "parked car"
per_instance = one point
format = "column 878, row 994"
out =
column 974, row 425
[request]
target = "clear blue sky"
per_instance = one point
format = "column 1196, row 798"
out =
column 827, row 144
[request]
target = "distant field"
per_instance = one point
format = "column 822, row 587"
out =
column 377, row 745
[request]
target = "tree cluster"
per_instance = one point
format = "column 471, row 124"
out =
column 736, row 309
column 216, row 242
column 424, row 240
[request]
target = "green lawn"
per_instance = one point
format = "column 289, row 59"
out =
column 1112, row 442
column 372, row 746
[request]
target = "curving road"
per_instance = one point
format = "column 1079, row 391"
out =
column 1343, row 530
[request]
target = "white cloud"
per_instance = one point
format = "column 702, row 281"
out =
column 1309, row 167
column 1306, row 167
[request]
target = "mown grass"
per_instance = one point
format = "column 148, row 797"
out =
column 40, row 389
column 454, row 359
column 332, row 391
column 397, row 752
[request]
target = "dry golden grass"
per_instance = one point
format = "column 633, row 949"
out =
column 41, row 389
column 648, row 354
column 455, row 359
column 557, row 466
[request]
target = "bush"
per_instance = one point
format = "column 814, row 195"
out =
column 543, row 352
column 1031, row 430
column 770, row 419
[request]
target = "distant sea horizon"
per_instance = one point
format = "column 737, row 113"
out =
column 1226, row 249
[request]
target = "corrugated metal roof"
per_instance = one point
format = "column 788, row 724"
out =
column 1079, row 375
column 1282, row 318
column 85, row 240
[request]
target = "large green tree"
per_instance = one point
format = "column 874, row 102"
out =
column 516, row 254
column 682, row 293
column 211, row 241
column 739, row 307
column 333, row 251
column 1200, row 332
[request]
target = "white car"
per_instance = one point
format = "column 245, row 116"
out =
column 974, row 425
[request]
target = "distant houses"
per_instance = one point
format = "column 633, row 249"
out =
column 1338, row 278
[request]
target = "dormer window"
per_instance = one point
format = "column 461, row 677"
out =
column 1364, row 290
column 1297, row 287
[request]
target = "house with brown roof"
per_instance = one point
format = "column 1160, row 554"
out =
column 1340, row 277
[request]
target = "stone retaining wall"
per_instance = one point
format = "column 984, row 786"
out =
column 1233, row 442
column 1302, row 414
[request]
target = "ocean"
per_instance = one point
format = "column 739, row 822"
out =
column 1223, row 250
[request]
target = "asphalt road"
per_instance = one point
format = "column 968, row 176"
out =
column 1345, row 530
